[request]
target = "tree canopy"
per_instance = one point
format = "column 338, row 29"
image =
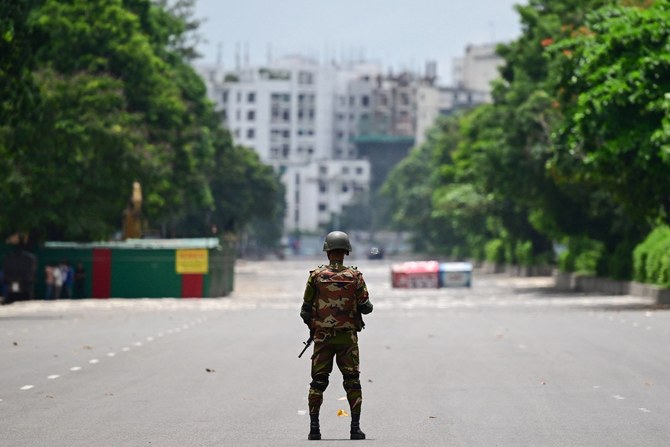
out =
column 573, row 150
column 98, row 94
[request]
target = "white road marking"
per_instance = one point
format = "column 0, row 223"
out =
column 26, row 387
column 138, row 343
column 111, row 354
column 595, row 387
column 160, row 334
column 75, row 368
column 53, row 376
column 618, row 397
column 150, row 339
column 125, row 349
column 644, row 410
column 648, row 328
column 300, row 412
column 94, row 361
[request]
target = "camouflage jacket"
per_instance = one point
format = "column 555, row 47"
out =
column 335, row 297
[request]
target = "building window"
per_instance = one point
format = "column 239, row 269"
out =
column 322, row 206
column 251, row 97
column 296, row 216
column 286, row 116
column 322, row 187
column 323, row 169
column 359, row 171
column 251, row 115
column 224, row 96
column 287, row 133
column 365, row 100
column 237, row 133
column 345, row 169
column 239, row 96
column 305, row 77
column 345, row 188
column 251, row 133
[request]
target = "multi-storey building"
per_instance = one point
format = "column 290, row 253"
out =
column 335, row 132
column 472, row 75
column 292, row 113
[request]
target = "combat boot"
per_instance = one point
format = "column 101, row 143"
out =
column 314, row 430
column 356, row 432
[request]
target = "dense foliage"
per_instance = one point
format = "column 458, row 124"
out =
column 98, row 94
column 652, row 258
column 571, row 159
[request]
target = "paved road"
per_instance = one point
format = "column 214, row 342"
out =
column 506, row 363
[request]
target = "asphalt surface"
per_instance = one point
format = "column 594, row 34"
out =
column 509, row 362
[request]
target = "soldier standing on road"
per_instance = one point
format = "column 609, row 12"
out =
column 335, row 298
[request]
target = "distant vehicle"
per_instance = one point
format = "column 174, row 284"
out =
column 376, row 253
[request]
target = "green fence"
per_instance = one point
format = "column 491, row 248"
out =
column 140, row 268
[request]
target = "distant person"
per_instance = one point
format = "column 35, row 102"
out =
column 79, row 280
column 334, row 299
column 2, row 285
column 48, row 282
column 19, row 268
column 68, row 279
column 58, row 281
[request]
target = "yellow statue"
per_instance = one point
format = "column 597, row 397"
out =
column 132, row 215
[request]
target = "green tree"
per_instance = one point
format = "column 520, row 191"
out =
column 614, row 84
column 112, row 99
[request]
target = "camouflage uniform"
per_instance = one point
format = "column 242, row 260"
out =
column 335, row 297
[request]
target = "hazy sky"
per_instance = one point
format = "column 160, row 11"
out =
column 397, row 33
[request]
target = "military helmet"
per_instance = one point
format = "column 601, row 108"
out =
column 335, row 240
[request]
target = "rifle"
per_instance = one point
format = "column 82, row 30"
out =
column 306, row 343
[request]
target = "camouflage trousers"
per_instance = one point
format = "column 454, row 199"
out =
column 343, row 347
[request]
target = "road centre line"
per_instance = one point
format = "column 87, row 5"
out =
column 109, row 354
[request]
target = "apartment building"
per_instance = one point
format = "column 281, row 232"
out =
column 472, row 75
column 300, row 117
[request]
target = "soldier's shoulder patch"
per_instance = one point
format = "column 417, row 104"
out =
column 353, row 267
